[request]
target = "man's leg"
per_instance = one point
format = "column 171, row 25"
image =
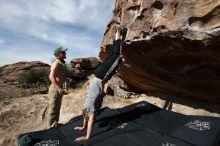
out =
column 54, row 107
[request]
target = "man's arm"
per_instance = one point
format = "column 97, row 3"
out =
column 89, row 129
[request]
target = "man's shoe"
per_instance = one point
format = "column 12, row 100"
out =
column 123, row 32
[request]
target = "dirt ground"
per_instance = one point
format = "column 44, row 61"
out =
column 21, row 112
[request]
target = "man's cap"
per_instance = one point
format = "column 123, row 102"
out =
column 59, row 50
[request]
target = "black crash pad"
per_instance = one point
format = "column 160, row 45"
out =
column 139, row 124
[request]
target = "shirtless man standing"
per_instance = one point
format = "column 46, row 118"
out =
column 58, row 75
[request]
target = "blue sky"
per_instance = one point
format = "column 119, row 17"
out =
column 30, row 30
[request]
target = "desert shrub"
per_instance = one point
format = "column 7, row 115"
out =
column 36, row 77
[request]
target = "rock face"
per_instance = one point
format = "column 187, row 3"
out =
column 79, row 68
column 171, row 46
column 11, row 72
column 85, row 63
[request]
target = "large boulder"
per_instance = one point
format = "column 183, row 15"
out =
column 80, row 68
column 12, row 72
column 85, row 63
column 76, row 74
column 171, row 46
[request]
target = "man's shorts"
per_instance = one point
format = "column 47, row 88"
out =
column 94, row 97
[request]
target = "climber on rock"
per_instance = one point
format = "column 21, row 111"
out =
column 98, row 86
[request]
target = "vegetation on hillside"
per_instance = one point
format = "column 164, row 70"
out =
column 34, row 77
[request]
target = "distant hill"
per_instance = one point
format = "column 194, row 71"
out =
column 11, row 72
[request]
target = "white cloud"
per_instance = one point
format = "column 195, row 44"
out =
column 29, row 17
column 42, row 19
column 76, row 24
column 1, row 41
column 16, row 53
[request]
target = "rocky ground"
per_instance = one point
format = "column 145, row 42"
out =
column 21, row 112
